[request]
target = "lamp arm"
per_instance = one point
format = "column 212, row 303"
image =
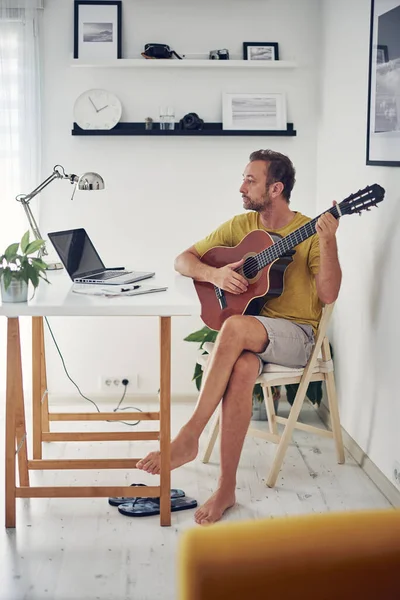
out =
column 58, row 173
column 33, row 225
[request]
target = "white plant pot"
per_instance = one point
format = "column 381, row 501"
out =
column 17, row 291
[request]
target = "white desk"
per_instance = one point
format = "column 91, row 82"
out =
column 58, row 299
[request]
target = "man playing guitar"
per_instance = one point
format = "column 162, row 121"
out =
column 283, row 333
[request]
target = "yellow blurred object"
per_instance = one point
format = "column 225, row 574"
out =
column 352, row 555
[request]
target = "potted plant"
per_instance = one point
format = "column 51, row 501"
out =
column 209, row 335
column 18, row 267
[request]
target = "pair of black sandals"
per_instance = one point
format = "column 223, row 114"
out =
column 148, row 507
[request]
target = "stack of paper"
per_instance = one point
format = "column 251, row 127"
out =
column 115, row 290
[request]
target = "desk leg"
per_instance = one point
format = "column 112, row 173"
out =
column 40, row 411
column 165, row 420
column 22, row 445
column 14, row 394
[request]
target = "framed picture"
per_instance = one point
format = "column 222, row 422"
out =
column 260, row 51
column 383, row 119
column 97, row 30
column 264, row 111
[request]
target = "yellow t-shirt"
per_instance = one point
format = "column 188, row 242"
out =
column 299, row 301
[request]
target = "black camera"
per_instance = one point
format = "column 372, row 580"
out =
column 159, row 51
column 222, row 54
column 191, row 121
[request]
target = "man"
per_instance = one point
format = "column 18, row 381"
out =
column 283, row 334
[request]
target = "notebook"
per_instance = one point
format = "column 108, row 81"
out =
column 83, row 263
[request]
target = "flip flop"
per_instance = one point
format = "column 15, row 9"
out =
column 147, row 507
column 122, row 500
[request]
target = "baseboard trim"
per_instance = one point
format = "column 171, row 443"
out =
column 388, row 489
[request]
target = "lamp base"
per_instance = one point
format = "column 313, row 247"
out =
column 54, row 266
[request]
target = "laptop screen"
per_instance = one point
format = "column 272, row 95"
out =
column 76, row 252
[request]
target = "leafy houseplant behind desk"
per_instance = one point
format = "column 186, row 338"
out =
column 18, row 268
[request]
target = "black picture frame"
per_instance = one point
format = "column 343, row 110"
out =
column 247, row 54
column 118, row 6
column 383, row 112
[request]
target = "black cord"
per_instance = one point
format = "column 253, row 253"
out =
column 83, row 395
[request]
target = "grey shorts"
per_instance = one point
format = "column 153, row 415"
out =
column 290, row 344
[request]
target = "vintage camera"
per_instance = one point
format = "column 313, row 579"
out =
column 191, row 121
column 222, row 54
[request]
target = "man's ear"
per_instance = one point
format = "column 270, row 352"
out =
column 276, row 189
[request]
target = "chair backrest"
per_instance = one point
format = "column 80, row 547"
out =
column 324, row 322
column 322, row 328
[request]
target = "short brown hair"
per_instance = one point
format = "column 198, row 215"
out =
column 280, row 168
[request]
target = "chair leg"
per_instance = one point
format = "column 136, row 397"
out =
column 269, row 405
column 335, row 420
column 285, row 438
column 212, row 438
column 333, row 405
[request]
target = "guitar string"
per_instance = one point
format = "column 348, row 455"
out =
column 278, row 249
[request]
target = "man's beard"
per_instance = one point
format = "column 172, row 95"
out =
column 257, row 205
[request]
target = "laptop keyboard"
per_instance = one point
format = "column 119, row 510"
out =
column 109, row 275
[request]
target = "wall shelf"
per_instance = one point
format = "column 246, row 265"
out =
column 144, row 63
column 209, row 129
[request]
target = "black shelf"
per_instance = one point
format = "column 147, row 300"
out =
column 208, row 129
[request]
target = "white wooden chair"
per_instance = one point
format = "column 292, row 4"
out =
column 318, row 368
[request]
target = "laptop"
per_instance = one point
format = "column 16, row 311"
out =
column 83, row 263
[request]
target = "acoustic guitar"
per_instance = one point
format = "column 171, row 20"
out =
column 266, row 257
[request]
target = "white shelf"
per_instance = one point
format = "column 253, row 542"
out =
column 191, row 63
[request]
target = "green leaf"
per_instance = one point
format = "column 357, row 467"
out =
column 34, row 246
column 33, row 275
column 314, row 392
column 199, row 336
column 11, row 252
column 198, row 376
column 7, row 277
column 291, row 391
column 38, row 264
column 25, row 241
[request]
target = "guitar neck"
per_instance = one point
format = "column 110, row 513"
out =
column 295, row 238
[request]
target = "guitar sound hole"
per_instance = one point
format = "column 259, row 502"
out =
column 250, row 268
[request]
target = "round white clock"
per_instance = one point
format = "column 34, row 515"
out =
column 97, row 109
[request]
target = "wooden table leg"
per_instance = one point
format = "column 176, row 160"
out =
column 39, row 410
column 43, row 385
column 14, row 392
column 21, row 439
column 165, row 420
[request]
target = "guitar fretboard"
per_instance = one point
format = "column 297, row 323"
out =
column 295, row 238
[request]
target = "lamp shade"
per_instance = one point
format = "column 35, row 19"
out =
column 90, row 181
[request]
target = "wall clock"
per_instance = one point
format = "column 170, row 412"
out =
column 97, row 109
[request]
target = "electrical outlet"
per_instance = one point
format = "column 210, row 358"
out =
column 396, row 473
column 113, row 383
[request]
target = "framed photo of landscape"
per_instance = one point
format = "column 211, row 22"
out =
column 260, row 51
column 97, row 30
column 263, row 111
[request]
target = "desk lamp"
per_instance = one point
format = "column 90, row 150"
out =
column 87, row 181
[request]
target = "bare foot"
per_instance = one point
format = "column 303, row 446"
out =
column 214, row 508
column 184, row 448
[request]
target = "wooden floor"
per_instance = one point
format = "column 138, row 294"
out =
column 83, row 549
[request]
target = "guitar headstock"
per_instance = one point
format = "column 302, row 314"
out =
column 361, row 200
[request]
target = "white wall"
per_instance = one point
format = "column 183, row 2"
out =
column 164, row 194
column 366, row 322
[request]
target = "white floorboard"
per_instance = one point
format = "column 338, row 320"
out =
column 83, row 549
